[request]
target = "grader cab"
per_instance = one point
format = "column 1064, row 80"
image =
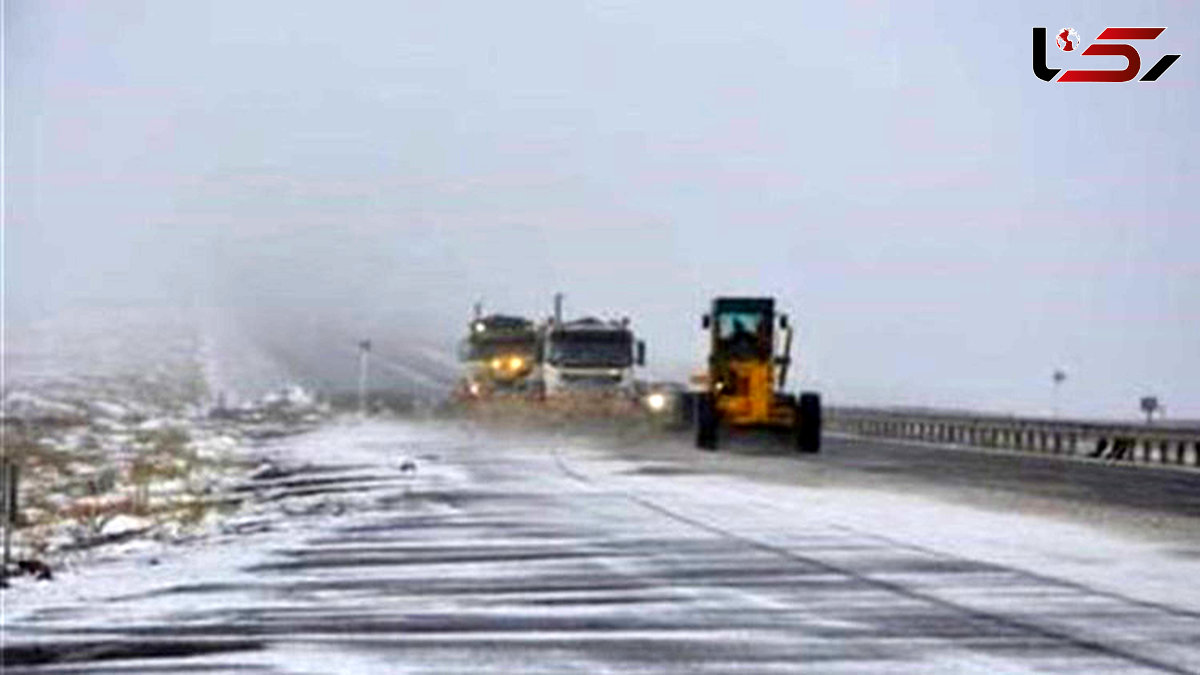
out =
column 747, row 374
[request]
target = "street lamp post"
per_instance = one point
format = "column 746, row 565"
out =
column 1059, row 377
column 364, row 352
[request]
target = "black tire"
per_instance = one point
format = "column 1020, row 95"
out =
column 706, row 422
column 808, row 423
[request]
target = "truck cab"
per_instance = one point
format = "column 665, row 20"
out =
column 590, row 357
column 499, row 355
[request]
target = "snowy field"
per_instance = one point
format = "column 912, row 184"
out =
column 427, row 548
column 108, row 413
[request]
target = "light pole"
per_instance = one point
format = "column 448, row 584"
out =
column 364, row 352
column 1059, row 377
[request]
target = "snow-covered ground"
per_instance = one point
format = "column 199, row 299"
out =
column 108, row 414
column 380, row 546
column 404, row 547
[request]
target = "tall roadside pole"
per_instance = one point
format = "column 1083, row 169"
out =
column 364, row 354
column 9, row 480
column 1059, row 377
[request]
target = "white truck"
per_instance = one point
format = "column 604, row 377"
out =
column 590, row 357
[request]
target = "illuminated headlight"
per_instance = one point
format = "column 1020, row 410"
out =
column 497, row 364
column 474, row 388
column 480, row 327
column 515, row 363
column 656, row 401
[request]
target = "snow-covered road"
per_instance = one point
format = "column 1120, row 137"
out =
column 426, row 548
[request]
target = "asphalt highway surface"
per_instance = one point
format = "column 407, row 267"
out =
column 450, row 548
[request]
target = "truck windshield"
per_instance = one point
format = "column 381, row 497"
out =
column 492, row 346
column 608, row 349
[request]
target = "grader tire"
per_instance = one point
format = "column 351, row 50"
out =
column 808, row 423
column 706, row 422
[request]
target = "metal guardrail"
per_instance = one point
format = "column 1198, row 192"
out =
column 1127, row 443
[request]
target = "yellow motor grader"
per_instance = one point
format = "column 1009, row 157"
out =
column 747, row 372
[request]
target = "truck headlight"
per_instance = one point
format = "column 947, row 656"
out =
column 515, row 363
column 656, row 401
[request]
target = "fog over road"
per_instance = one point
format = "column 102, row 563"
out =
column 569, row 553
column 945, row 228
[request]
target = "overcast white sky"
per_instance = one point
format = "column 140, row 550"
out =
column 945, row 228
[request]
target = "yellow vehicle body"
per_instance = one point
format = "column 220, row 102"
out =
column 747, row 371
column 754, row 401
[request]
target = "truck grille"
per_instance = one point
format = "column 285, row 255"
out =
column 591, row 380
